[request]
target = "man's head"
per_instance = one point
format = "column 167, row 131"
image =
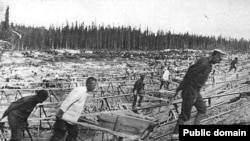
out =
column 42, row 95
column 142, row 76
column 91, row 84
column 217, row 55
column 169, row 68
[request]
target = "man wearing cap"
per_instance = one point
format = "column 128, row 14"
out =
column 139, row 88
column 190, row 86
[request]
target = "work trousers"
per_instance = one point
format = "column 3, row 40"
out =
column 164, row 82
column 190, row 97
column 135, row 100
column 61, row 128
column 17, row 126
column 232, row 67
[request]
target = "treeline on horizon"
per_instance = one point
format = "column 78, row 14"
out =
column 100, row 37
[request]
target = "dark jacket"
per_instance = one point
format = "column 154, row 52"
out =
column 21, row 108
column 196, row 75
column 234, row 62
column 139, row 87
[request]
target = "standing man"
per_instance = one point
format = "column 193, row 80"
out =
column 233, row 64
column 139, row 88
column 189, row 89
column 165, row 78
column 71, row 109
column 19, row 111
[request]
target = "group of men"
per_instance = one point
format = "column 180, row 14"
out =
column 139, row 91
column 72, row 107
column 70, row 110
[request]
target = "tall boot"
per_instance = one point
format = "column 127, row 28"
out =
column 198, row 118
column 176, row 129
column 175, row 135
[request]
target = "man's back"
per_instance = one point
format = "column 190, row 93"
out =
column 22, row 107
column 74, row 103
column 197, row 74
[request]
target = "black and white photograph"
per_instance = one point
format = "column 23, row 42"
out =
column 124, row 70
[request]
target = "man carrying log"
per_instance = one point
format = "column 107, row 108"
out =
column 19, row 111
column 190, row 86
column 70, row 110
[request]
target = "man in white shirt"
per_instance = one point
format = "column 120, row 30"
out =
column 71, row 109
column 165, row 78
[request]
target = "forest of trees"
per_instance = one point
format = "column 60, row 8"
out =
column 100, row 37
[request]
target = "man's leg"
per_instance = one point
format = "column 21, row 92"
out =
column 16, row 134
column 162, row 83
column 72, row 132
column 15, row 127
column 60, row 130
column 134, row 101
column 230, row 68
column 140, row 100
column 235, row 69
column 167, row 84
column 201, row 107
column 188, row 98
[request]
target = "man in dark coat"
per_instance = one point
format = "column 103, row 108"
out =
column 190, row 86
column 233, row 64
column 138, row 91
column 19, row 111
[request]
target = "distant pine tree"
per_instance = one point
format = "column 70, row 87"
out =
column 86, row 37
column 6, row 22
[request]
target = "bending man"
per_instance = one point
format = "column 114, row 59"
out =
column 189, row 88
column 19, row 111
column 71, row 109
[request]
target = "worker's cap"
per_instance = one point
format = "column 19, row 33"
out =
column 218, row 51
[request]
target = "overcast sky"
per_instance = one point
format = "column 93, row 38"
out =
column 229, row 18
